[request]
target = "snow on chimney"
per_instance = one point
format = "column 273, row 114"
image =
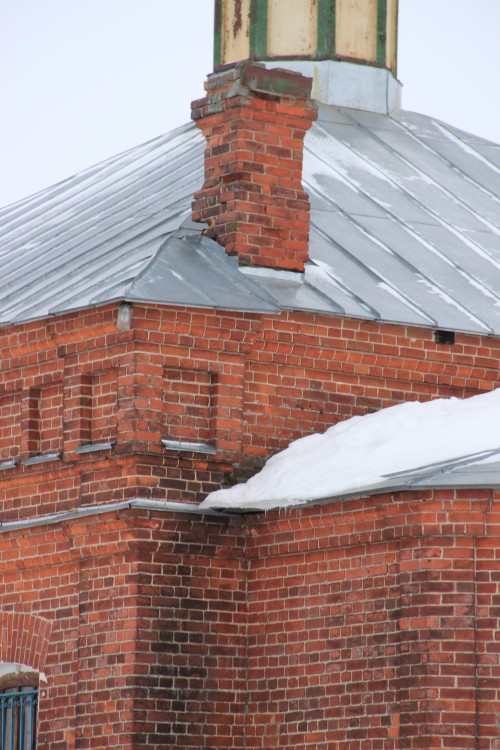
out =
column 254, row 121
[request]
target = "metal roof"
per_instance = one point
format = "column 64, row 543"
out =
column 475, row 470
column 405, row 228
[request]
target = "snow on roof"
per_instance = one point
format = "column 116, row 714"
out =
column 376, row 452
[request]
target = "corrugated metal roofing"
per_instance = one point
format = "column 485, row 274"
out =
column 405, row 229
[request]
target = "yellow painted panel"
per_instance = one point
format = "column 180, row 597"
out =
column 392, row 21
column 356, row 29
column 235, row 30
column 292, row 27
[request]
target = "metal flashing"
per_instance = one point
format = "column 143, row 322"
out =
column 480, row 470
column 93, row 447
column 42, row 459
column 96, row 510
column 188, row 446
column 341, row 83
column 296, row 277
column 476, row 471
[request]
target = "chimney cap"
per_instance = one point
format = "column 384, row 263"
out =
column 249, row 76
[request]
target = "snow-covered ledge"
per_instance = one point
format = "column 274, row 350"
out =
column 396, row 448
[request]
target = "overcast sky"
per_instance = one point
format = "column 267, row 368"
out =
column 82, row 80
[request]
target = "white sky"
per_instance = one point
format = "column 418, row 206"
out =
column 82, row 80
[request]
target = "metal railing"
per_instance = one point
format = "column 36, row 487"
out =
column 18, row 709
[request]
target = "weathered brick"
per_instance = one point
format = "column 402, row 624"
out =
column 262, row 163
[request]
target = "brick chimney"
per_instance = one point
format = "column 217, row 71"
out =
column 254, row 121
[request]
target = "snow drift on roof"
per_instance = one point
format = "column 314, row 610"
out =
column 355, row 455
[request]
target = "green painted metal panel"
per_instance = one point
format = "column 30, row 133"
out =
column 381, row 31
column 326, row 28
column 258, row 29
column 217, row 33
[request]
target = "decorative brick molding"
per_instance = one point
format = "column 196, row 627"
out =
column 255, row 121
column 10, row 425
column 42, row 419
column 273, row 378
column 24, row 639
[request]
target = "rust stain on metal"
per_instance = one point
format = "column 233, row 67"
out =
column 238, row 20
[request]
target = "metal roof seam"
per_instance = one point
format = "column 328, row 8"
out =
column 408, row 132
column 101, row 250
column 407, row 227
column 438, row 186
column 399, row 187
column 112, row 180
column 453, row 134
column 330, row 271
column 64, row 288
column 309, row 282
column 364, row 231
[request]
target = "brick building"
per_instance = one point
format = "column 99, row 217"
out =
column 341, row 257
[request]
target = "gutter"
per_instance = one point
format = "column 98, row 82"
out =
column 95, row 510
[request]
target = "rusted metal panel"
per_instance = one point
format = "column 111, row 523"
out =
column 363, row 30
column 235, row 43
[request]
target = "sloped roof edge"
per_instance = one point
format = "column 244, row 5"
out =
column 405, row 229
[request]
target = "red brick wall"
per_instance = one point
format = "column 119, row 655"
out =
column 245, row 384
column 369, row 623
column 361, row 624
column 148, row 629
column 189, row 411
column 192, row 636
column 487, row 632
column 10, row 425
column 374, row 624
